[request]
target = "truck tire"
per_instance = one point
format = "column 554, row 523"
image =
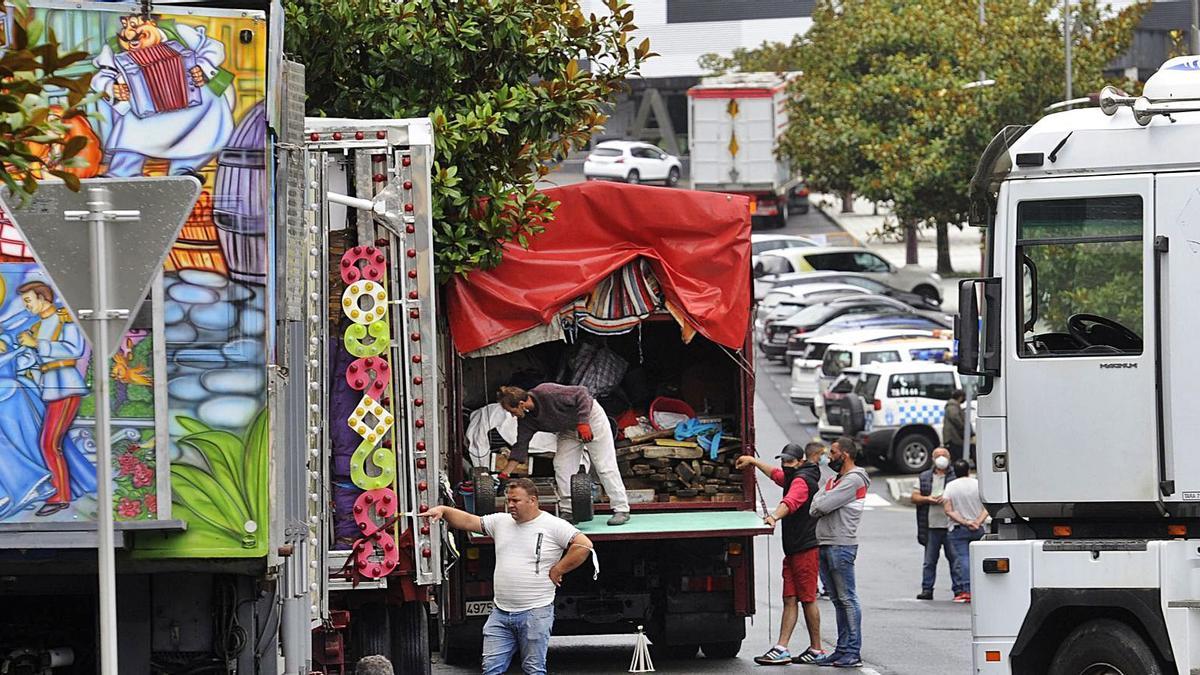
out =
column 1105, row 646
column 781, row 220
column 582, row 509
column 371, row 631
column 410, row 638
column 457, row 648
column 913, row 453
column 485, row 491
column 722, row 650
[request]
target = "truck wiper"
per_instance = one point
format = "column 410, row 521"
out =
column 1054, row 153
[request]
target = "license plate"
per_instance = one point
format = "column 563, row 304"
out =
column 479, row 607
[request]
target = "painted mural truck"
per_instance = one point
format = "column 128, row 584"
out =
column 275, row 407
column 736, row 120
column 641, row 295
column 1087, row 456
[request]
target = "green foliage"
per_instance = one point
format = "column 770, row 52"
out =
column 881, row 108
column 1095, row 278
column 504, row 82
column 29, row 128
column 223, row 499
column 769, row 57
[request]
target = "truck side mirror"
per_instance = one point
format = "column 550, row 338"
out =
column 978, row 332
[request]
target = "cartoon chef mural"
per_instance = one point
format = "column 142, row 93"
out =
column 168, row 97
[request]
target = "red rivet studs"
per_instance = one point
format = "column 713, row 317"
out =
column 389, row 546
column 418, row 402
column 421, row 445
column 412, row 295
column 362, row 564
column 378, row 571
column 424, row 529
column 337, row 135
column 358, row 509
column 410, row 229
column 414, row 313
column 362, row 526
column 408, row 185
column 387, row 443
column 379, row 178
column 412, row 274
column 412, row 253
column 416, row 358
column 408, row 208
column 426, row 552
column 387, row 499
column 422, row 486
column 419, row 423
column 417, row 380
column 415, row 337
column 314, row 137
column 421, row 463
column 406, row 161
column 358, row 135
column 381, row 242
column 380, row 258
column 379, row 158
column 386, row 402
column 381, row 511
column 381, row 134
column 369, row 499
column 424, row 507
column 354, row 368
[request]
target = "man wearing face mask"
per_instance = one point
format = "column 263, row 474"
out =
column 839, row 504
column 933, row 524
column 799, row 477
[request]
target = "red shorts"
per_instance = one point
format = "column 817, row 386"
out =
column 800, row 575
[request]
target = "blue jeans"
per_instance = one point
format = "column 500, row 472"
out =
column 939, row 540
column 507, row 632
column 837, row 574
column 960, row 539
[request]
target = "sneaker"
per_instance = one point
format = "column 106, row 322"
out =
column 828, row 659
column 619, row 518
column 967, row 598
column 962, row 597
column 810, row 656
column 774, row 657
column 925, row 595
column 848, row 662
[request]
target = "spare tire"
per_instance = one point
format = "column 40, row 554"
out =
column 582, row 508
column 485, row 491
column 856, row 416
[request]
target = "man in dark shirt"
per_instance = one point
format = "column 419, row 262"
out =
column 580, row 423
column 953, row 425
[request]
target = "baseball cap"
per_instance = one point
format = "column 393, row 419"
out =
column 791, row 451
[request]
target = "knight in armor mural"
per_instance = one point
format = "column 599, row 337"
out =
column 168, row 96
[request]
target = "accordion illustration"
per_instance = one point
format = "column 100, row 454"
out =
column 159, row 79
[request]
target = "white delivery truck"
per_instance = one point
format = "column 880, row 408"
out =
column 1087, row 432
column 735, row 122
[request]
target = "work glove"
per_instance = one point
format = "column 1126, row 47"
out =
column 585, row 432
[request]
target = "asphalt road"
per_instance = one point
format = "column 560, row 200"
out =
column 901, row 635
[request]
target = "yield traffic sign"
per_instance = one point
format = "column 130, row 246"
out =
column 58, row 226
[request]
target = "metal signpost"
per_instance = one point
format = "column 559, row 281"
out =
column 102, row 272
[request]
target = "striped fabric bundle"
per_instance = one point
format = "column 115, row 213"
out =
column 163, row 70
column 618, row 303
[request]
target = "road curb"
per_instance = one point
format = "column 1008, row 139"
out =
column 837, row 223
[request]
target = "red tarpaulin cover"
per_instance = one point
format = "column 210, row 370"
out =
column 698, row 244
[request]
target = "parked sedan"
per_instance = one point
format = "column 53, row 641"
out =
column 814, row 316
column 934, row 322
column 761, row 243
column 786, row 302
column 632, row 162
column 851, row 259
column 875, row 286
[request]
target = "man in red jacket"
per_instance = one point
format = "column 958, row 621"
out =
column 580, row 423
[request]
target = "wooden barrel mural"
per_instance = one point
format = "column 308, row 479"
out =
column 197, row 247
column 240, row 187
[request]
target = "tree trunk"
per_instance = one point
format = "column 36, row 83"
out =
column 910, row 244
column 944, row 266
column 848, row 201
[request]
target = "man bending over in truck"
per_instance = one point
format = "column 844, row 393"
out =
column 534, row 549
column 800, row 477
column 580, row 423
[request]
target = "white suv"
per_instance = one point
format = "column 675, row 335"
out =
column 894, row 410
column 850, row 259
column 841, row 356
column 632, row 162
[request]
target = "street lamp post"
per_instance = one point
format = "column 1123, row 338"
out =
column 1066, row 12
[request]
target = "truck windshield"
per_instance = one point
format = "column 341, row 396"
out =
column 1079, row 265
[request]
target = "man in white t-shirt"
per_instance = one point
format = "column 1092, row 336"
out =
column 965, row 510
column 534, row 549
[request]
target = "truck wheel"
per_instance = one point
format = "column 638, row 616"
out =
column 673, row 177
column 722, row 650
column 410, row 638
column 371, row 631
column 634, row 177
column 458, row 648
column 781, row 220
column 582, row 509
column 485, row 491
column 1105, row 646
column 913, row 453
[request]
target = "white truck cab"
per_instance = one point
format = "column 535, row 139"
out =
column 1085, row 326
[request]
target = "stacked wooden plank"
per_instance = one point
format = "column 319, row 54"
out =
column 680, row 470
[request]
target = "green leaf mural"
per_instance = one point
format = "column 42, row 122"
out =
column 228, row 500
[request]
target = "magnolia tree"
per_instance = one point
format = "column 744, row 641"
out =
column 511, row 85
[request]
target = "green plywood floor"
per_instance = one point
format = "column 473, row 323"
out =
column 676, row 523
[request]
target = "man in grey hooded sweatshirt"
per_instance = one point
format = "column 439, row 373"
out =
column 839, row 506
